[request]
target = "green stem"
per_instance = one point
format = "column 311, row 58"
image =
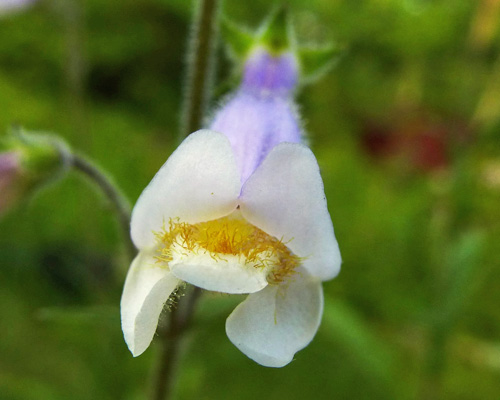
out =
column 200, row 66
column 112, row 193
column 169, row 359
column 179, row 323
column 72, row 16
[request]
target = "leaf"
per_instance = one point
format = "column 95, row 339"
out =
column 347, row 327
column 93, row 315
column 464, row 257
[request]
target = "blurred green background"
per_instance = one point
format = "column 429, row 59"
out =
column 406, row 129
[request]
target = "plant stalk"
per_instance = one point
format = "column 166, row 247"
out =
column 200, row 66
column 172, row 337
column 115, row 196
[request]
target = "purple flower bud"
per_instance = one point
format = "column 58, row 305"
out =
column 262, row 113
column 10, row 167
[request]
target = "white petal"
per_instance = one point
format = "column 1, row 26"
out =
column 147, row 288
column 270, row 326
column 199, row 182
column 215, row 274
column 285, row 198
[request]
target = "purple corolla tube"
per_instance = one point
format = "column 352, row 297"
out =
column 261, row 113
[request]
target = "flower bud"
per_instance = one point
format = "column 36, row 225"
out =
column 28, row 161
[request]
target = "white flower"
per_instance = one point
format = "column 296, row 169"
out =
column 272, row 238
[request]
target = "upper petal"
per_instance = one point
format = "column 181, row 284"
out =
column 199, row 182
column 285, row 198
column 147, row 287
column 270, row 326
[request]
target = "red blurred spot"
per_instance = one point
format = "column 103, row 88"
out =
column 420, row 142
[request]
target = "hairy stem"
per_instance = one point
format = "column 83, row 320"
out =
column 72, row 17
column 113, row 194
column 200, row 66
column 172, row 337
column 169, row 358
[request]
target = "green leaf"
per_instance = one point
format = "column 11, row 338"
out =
column 91, row 315
column 344, row 324
column 464, row 257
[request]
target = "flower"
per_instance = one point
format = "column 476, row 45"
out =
column 270, row 237
column 239, row 209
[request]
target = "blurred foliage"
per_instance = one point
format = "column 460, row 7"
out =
column 406, row 130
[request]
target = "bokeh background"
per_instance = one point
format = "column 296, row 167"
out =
column 406, row 129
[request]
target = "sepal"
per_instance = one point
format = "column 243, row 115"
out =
column 238, row 39
column 277, row 33
column 317, row 61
